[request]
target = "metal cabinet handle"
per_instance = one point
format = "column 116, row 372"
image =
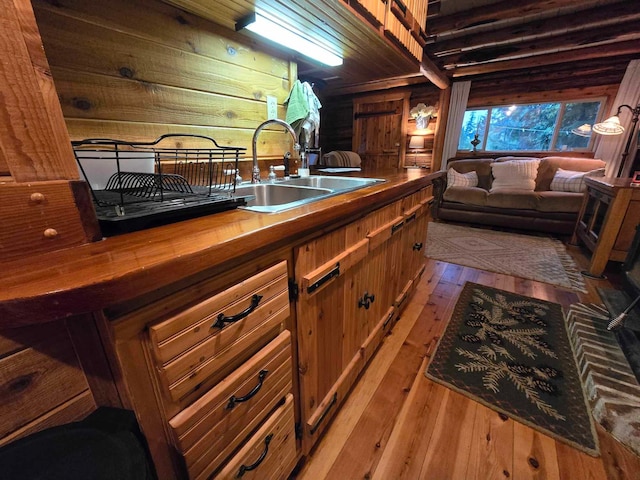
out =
column 366, row 301
column 334, row 272
column 233, row 400
column 410, row 218
column 247, row 468
column 417, row 246
column 397, row 227
column 386, row 322
column 333, row 401
column 222, row 319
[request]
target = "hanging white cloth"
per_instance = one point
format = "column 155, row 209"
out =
column 303, row 113
column 312, row 122
column 457, row 107
column 610, row 147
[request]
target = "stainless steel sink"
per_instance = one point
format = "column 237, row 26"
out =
column 268, row 197
column 333, row 183
column 285, row 194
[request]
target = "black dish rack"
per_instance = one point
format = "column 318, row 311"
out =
column 138, row 185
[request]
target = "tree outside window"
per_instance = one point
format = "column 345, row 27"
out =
column 529, row 127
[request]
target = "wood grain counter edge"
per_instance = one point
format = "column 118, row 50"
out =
column 93, row 276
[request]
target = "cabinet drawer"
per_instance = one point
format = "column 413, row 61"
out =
column 202, row 340
column 270, row 453
column 210, row 429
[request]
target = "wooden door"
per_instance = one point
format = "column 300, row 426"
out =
column 379, row 129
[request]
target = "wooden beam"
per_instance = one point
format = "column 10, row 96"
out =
column 540, row 28
column 622, row 32
column 622, row 48
column 383, row 84
column 498, row 12
column 33, row 138
column 433, row 73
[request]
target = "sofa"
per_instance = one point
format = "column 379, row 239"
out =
column 541, row 194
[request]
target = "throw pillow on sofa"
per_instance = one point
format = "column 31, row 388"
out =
column 514, row 175
column 571, row 181
column 456, row 179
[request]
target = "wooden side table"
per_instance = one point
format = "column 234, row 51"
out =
column 607, row 221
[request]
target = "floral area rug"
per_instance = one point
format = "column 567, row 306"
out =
column 512, row 354
column 542, row 259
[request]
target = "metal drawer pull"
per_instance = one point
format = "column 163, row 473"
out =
column 411, row 218
column 333, row 401
column 247, row 468
column 219, row 323
column 233, row 400
column 331, row 274
column 386, row 322
column 417, row 246
column 397, row 227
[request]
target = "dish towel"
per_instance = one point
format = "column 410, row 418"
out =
column 297, row 105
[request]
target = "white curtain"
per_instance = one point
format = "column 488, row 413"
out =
column 611, row 147
column 457, row 107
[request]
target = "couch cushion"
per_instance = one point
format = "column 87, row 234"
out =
column 572, row 181
column 455, row 179
column 559, row 201
column 467, row 195
column 514, row 175
column 482, row 167
column 549, row 166
column 513, row 198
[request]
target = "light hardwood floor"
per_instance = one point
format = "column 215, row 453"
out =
column 397, row 424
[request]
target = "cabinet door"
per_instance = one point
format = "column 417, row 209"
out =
column 416, row 220
column 348, row 282
column 329, row 273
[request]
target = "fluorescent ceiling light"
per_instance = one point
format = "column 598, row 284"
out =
column 288, row 38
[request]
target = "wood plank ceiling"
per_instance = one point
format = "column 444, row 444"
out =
column 589, row 40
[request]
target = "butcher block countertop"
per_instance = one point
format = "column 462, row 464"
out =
column 93, row 276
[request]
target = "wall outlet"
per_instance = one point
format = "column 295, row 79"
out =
column 272, row 107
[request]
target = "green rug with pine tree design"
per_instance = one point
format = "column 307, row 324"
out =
column 512, row 354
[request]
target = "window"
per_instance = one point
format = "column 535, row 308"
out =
column 529, row 127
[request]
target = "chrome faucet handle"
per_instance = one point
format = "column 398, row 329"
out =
column 255, row 175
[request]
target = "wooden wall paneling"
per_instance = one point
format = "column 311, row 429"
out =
column 32, row 134
column 202, row 79
column 44, row 216
column 481, row 95
column 41, row 381
column 93, row 358
column 87, row 95
column 166, row 25
column 118, row 54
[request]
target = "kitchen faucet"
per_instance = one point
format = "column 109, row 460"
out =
column 255, row 174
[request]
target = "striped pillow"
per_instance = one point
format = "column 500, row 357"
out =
column 571, row 181
column 456, row 179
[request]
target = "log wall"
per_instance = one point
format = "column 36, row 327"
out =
column 137, row 70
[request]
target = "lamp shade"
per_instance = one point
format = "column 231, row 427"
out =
column 582, row 130
column 416, row 142
column 611, row 126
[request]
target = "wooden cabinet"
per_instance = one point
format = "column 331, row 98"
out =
column 353, row 282
column 607, row 221
column 208, row 365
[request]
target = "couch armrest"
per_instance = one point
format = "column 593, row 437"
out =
column 439, row 186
